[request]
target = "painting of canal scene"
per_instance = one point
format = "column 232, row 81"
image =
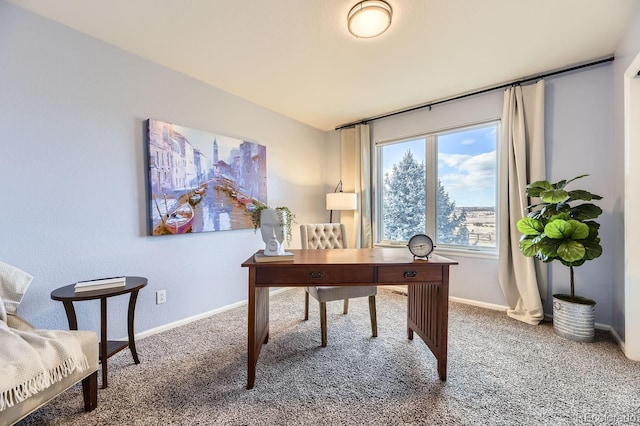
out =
column 202, row 182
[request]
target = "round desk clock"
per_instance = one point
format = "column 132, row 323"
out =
column 420, row 245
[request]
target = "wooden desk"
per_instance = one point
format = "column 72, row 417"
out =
column 67, row 295
column 427, row 287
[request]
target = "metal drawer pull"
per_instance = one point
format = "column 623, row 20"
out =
column 316, row 275
column 410, row 274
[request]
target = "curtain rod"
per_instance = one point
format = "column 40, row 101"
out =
column 477, row 92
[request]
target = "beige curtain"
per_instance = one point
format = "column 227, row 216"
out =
column 355, row 172
column 523, row 280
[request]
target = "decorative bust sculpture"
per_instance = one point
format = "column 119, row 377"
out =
column 272, row 223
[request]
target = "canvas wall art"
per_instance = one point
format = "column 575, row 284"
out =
column 201, row 181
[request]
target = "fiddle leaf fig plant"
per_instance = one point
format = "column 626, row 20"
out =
column 558, row 228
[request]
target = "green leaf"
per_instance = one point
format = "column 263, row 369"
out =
column 566, row 229
column 560, row 216
column 535, row 188
column 575, row 178
column 528, row 247
column 558, row 229
column 593, row 249
column 529, row 226
column 554, row 196
column 580, row 230
column 548, row 247
column 560, row 184
column 571, row 251
column 593, row 225
column 580, row 194
column 585, row 211
column 551, row 210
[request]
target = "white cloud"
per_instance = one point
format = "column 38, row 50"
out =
column 470, row 172
column 453, row 160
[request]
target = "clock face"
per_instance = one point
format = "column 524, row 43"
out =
column 420, row 245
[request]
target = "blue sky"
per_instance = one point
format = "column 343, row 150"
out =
column 466, row 163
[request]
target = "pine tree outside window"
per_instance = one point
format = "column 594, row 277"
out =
column 443, row 184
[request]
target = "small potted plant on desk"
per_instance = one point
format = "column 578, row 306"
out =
column 275, row 226
column 558, row 229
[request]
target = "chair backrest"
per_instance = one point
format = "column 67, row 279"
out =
column 324, row 236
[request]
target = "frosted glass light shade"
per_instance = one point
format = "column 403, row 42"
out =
column 342, row 201
column 369, row 18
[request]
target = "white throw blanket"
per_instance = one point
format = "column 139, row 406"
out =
column 31, row 360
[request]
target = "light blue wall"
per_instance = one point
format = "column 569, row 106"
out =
column 72, row 121
column 626, row 52
column 578, row 140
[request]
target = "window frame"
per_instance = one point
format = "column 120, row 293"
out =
column 431, row 178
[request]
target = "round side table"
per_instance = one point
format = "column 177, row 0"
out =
column 67, row 295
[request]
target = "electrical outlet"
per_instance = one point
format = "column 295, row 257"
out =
column 161, row 296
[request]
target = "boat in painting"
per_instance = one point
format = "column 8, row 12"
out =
column 194, row 198
column 179, row 220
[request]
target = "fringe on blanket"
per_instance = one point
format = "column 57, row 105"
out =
column 40, row 382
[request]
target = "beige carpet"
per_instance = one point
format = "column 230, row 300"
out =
column 501, row 372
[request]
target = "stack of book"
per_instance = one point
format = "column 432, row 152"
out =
column 100, row 284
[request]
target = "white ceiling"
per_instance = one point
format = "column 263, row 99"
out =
column 296, row 57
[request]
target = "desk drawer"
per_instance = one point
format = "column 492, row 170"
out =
column 315, row 275
column 409, row 273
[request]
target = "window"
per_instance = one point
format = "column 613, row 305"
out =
column 442, row 184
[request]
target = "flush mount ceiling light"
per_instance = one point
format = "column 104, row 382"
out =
column 369, row 18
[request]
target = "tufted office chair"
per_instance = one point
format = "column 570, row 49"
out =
column 333, row 236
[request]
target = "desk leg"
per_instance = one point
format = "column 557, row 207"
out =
column 443, row 323
column 258, row 326
column 428, row 316
column 103, row 340
column 130, row 317
column 71, row 314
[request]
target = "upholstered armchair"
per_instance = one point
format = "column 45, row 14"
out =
column 333, row 236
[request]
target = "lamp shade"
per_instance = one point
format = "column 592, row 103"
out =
column 369, row 18
column 342, row 201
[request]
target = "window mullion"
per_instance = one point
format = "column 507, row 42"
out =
column 431, row 184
